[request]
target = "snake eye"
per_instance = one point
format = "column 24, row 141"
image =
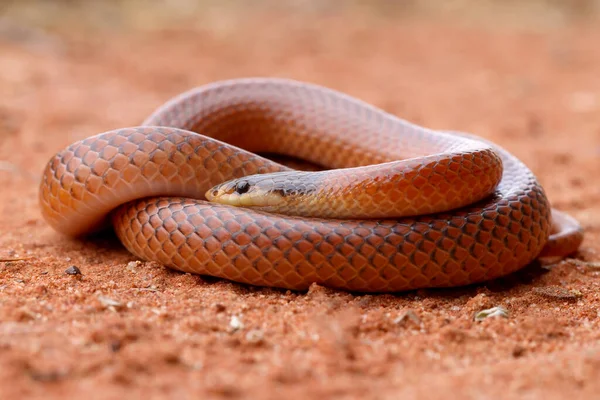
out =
column 242, row 187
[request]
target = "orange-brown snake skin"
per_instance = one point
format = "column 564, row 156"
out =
column 425, row 208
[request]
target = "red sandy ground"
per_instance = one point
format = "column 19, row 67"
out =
column 140, row 330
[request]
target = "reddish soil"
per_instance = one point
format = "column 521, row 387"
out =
column 136, row 329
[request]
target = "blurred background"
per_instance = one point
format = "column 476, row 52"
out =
column 152, row 14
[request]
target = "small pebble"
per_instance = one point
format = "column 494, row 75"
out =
column 107, row 302
column 131, row 266
column 493, row 312
column 220, row 307
column 73, row 270
column 408, row 315
column 235, row 324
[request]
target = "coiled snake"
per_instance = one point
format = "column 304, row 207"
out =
column 398, row 206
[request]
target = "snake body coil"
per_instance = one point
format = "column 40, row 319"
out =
column 400, row 206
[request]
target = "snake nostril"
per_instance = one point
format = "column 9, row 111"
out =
column 215, row 192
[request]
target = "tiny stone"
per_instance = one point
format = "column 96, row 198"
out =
column 235, row 324
column 220, row 307
column 493, row 312
column 73, row 270
column 108, row 302
column 132, row 265
column 518, row 351
column 408, row 315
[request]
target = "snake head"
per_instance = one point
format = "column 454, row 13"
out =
column 289, row 192
column 249, row 191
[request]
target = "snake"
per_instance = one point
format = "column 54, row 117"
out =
column 381, row 204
